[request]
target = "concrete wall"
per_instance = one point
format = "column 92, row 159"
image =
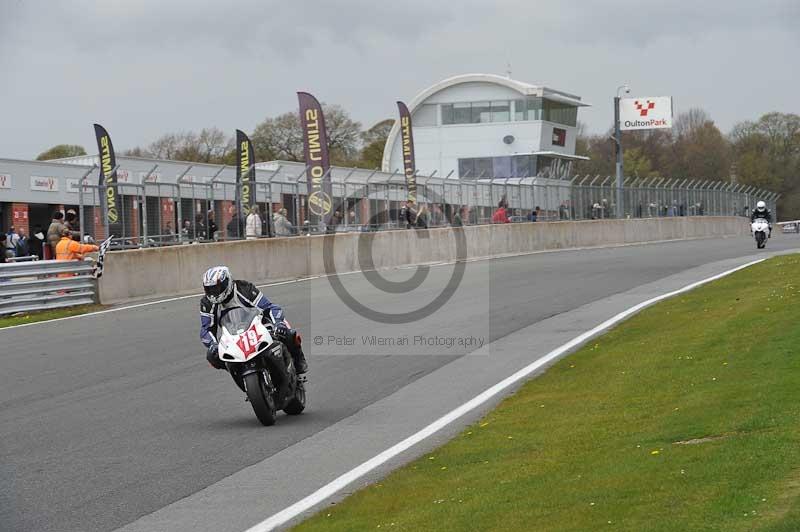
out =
column 168, row 271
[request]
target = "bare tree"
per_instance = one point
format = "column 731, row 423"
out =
column 690, row 121
column 281, row 137
column 211, row 145
column 214, row 144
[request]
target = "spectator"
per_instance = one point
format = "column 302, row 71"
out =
column 37, row 241
column 253, row 224
column 437, row 216
column 169, row 232
column 68, row 249
column 423, row 217
column 534, row 215
column 12, row 241
column 563, row 211
column 351, row 218
column 3, row 257
column 199, row 227
column 282, row 225
column 54, row 232
column 22, row 248
column 212, row 226
column 461, row 218
column 408, row 215
column 187, row 230
column 71, row 221
column 500, row 216
column 235, row 227
column 336, row 219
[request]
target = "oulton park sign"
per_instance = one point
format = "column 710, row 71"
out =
column 645, row 113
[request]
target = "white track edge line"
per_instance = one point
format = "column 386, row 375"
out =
column 347, row 478
column 306, row 279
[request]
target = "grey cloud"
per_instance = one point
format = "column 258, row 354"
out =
column 176, row 65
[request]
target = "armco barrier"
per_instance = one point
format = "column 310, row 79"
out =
column 176, row 270
column 45, row 285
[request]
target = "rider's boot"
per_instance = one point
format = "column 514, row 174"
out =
column 294, row 345
column 300, row 364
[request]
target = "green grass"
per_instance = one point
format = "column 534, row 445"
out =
column 44, row 315
column 593, row 443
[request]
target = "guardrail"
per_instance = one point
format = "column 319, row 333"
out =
column 45, row 285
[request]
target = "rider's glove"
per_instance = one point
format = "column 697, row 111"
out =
column 212, row 355
column 281, row 330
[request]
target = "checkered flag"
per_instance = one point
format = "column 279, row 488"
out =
column 101, row 255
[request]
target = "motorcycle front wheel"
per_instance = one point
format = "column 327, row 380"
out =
column 260, row 399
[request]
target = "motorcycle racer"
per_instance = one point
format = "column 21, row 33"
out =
column 761, row 211
column 222, row 292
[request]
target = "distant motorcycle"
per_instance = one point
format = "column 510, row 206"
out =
column 260, row 364
column 760, row 230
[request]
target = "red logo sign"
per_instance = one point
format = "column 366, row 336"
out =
column 644, row 107
column 3, row 179
column 248, row 341
column 559, row 136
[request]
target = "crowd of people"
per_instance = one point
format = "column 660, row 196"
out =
column 421, row 218
column 61, row 241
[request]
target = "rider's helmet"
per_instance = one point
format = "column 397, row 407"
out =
column 761, row 206
column 218, row 284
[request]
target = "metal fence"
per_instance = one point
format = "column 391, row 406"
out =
column 45, row 284
column 153, row 212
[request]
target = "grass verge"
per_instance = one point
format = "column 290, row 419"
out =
column 685, row 417
column 45, row 315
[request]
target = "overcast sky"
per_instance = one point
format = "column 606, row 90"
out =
column 146, row 67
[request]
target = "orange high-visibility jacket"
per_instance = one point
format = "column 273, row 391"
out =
column 68, row 249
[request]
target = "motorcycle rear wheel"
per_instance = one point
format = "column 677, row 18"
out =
column 260, row 399
column 298, row 403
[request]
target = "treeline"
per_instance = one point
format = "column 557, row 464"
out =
column 765, row 153
column 275, row 138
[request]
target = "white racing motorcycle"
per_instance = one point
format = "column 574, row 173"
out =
column 260, row 364
column 760, row 230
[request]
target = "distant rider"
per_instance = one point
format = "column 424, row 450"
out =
column 221, row 293
column 761, row 211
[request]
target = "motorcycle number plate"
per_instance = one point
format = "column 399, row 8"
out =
column 248, row 341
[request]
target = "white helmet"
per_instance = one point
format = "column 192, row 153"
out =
column 760, row 206
column 218, row 284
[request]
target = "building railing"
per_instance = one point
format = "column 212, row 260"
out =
column 45, row 285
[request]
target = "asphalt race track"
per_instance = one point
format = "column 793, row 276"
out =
column 116, row 419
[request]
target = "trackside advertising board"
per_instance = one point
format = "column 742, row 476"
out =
column 645, row 113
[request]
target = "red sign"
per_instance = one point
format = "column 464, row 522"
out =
column 644, row 107
column 248, row 341
column 559, row 136
column 20, row 213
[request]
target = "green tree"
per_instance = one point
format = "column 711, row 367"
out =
column 61, row 151
column 374, row 141
column 767, row 154
column 636, row 163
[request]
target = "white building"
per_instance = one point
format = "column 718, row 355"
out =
column 483, row 125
